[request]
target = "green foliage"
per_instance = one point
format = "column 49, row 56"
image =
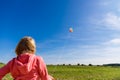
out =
column 73, row 72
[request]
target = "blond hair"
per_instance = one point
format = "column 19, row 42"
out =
column 26, row 45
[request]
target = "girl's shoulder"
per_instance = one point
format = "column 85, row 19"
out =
column 38, row 57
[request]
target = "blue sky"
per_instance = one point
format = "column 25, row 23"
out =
column 96, row 25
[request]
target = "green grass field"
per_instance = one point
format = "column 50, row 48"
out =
column 81, row 72
column 85, row 72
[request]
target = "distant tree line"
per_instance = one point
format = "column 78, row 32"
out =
column 74, row 64
column 115, row 64
column 1, row 63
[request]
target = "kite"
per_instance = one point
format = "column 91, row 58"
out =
column 70, row 29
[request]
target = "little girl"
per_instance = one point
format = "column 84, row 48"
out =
column 26, row 66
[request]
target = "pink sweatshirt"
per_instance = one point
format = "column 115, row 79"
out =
column 26, row 67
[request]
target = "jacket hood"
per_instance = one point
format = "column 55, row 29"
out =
column 23, row 63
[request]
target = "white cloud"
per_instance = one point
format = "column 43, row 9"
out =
column 111, row 21
column 115, row 41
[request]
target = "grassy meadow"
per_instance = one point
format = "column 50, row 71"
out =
column 74, row 72
column 85, row 72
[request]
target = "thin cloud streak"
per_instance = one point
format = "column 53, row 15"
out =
column 95, row 54
column 111, row 21
column 115, row 41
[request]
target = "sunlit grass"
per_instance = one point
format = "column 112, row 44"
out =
column 84, row 72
